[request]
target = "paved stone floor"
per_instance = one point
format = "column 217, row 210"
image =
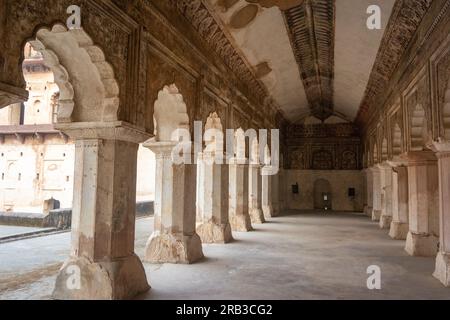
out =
column 298, row 256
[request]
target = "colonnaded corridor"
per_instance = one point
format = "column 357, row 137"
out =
column 328, row 261
column 224, row 149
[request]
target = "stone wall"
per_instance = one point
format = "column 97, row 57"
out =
column 340, row 181
column 60, row 218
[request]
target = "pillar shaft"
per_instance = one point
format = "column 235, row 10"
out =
column 386, row 190
column 212, row 203
column 174, row 239
column 238, row 205
column 369, row 192
column 376, row 212
column 275, row 194
column 255, row 194
column 267, row 193
column 399, row 225
column 103, row 218
column 422, row 239
column 442, row 270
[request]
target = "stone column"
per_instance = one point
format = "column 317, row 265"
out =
column 365, row 173
column 399, row 225
column 422, row 238
column 267, row 193
column 255, row 193
column 212, row 207
column 275, row 195
column 102, row 263
column 376, row 178
column 386, row 204
column 174, row 239
column 282, row 189
column 238, row 206
column 369, row 192
column 442, row 270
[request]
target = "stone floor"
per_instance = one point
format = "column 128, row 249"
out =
column 297, row 256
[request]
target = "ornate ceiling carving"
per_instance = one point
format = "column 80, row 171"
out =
column 405, row 19
column 204, row 22
column 311, row 29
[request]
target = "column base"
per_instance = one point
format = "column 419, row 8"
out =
column 167, row 248
column 211, row 232
column 368, row 211
column 376, row 214
column 241, row 223
column 268, row 212
column 399, row 230
column 442, row 271
column 385, row 221
column 257, row 216
column 421, row 245
column 118, row 279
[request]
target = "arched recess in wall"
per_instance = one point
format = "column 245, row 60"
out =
column 396, row 140
column 446, row 113
column 384, row 150
column 170, row 113
column 418, row 125
column 375, row 153
column 322, row 194
column 214, row 134
column 89, row 91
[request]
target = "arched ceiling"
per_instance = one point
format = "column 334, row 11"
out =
column 314, row 56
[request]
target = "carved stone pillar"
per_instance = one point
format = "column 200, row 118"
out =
column 386, row 189
column 255, row 193
column 238, row 206
column 399, row 225
column 442, row 270
column 267, row 193
column 376, row 179
column 275, row 195
column 369, row 192
column 282, row 189
column 174, row 239
column 422, row 239
column 212, row 207
column 102, row 263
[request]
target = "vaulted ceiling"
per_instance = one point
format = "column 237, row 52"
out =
column 314, row 56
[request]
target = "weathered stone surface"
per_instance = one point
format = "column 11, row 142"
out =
column 238, row 206
column 422, row 245
column 398, row 230
column 442, row 270
column 168, row 248
column 120, row 278
column 211, row 232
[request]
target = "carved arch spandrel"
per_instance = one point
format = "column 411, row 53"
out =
column 89, row 91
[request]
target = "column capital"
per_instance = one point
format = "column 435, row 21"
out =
column 442, row 148
column 113, row 130
column 397, row 162
column 417, row 158
column 161, row 147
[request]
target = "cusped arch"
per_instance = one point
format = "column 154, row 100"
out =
column 384, row 150
column 418, row 125
column 89, row 91
column 397, row 138
column 240, row 144
column 170, row 113
column 214, row 133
